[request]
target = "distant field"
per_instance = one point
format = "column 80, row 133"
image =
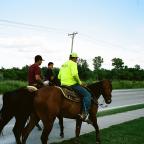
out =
column 11, row 84
column 131, row 132
column 8, row 85
column 123, row 84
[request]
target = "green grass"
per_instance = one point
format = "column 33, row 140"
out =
column 131, row 132
column 123, row 84
column 8, row 85
column 120, row 110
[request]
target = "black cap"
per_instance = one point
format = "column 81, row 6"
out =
column 38, row 57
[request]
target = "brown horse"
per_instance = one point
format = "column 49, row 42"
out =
column 50, row 103
column 19, row 104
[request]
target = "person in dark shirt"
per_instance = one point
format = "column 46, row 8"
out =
column 34, row 72
column 50, row 77
column 49, row 73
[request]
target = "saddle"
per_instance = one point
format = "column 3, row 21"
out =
column 71, row 94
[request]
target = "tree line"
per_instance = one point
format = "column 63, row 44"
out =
column 118, row 72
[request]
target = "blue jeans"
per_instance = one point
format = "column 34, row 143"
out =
column 86, row 97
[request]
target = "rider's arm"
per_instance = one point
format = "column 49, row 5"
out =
column 75, row 75
column 77, row 79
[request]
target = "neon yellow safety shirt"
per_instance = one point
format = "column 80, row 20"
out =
column 68, row 74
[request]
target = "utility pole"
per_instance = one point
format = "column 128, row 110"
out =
column 73, row 35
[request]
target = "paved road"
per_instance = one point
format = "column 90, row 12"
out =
column 120, row 98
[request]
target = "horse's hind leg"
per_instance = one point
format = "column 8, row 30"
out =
column 17, row 130
column 4, row 120
column 29, row 127
column 48, row 124
column 61, row 126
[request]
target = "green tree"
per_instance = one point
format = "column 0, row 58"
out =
column 137, row 67
column 83, row 68
column 97, row 62
column 117, row 63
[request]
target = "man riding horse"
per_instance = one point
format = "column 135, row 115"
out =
column 68, row 76
column 34, row 72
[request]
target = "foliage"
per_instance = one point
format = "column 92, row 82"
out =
column 119, row 72
column 84, row 72
column 97, row 62
column 117, row 63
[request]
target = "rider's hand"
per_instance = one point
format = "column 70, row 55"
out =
column 46, row 83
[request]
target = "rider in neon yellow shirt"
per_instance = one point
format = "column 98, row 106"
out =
column 68, row 76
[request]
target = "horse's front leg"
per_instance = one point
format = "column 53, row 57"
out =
column 61, row 126
column 78, row 128
column 95, row 125
column 48, row 124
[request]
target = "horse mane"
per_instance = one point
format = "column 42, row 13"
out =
column 95, row 88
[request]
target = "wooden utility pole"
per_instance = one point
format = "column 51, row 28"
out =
column 73, row 35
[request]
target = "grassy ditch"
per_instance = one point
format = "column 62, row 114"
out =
column 131, row 132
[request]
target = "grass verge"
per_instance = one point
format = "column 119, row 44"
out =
column 131, row 132
column 120, row 110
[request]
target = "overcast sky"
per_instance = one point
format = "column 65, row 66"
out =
column 106, row 28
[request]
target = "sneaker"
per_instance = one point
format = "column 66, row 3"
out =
column 89, row 121
column 84, row 116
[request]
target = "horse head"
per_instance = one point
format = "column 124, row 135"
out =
column 106, row 90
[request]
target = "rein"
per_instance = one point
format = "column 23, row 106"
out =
column 94, row 98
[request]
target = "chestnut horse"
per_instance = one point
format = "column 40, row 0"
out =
column 49, row 103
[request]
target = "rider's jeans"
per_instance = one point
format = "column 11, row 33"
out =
column 86, row 97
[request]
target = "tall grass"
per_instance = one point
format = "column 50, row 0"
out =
column 123, row 84
column 8, row 85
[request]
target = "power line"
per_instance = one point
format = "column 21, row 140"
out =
column 30, row 25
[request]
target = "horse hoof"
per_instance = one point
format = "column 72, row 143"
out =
column 97, row 142
column 62, row 135
column 76, row 142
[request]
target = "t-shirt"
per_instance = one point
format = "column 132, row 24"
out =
column 68, row 74
column 32, row 72
column 49, row 74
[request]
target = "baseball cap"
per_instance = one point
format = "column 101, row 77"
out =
column 38, row 57
column 73, row 54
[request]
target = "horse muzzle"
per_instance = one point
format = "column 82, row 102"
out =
column 108, row 101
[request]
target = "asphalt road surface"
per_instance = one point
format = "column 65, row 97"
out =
column 120, row 98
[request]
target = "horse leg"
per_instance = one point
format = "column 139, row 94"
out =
column 3, row 121
column 78, row 128
column 61, row 126
column 17, row 130
column 29, row 127
column 48, row 124
column 95, row 125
